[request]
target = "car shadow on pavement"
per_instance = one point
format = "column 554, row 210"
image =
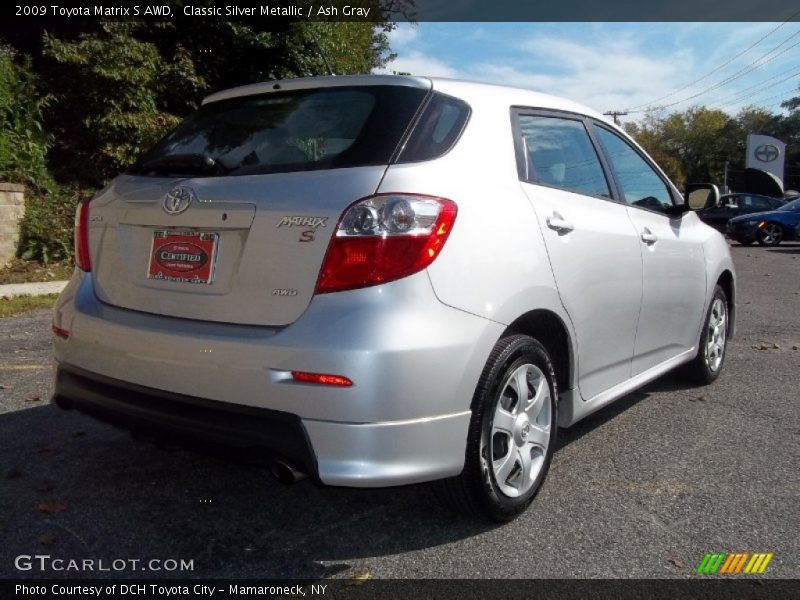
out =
column 75, row 488
column 670, row 382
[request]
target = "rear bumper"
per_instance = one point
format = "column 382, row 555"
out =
column 414, row 363
column 255, row 434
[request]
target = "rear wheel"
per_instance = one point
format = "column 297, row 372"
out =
column 512, row 433
column 707, row 365
column 770, row 235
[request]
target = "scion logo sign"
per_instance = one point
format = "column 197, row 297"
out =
column 734, row 563
column 767, row 153
column 178, row 200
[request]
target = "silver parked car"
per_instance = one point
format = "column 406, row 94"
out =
column 384, row 280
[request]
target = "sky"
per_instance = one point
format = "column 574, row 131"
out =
column 614, row 66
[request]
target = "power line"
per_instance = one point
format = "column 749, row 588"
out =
column 759, row 62
column 760, row 85
column 720, row 67
column 739, row 96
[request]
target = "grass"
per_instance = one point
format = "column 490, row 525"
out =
column 10, row 307
column 25, row 271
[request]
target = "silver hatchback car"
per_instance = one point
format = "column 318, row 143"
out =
column 385, row 280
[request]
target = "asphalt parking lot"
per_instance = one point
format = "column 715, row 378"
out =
column 642, row 489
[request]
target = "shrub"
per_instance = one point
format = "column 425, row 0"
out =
column 46, row 232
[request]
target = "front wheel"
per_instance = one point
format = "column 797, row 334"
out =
column 707, row 365
column 511, row 436
column 770, row 235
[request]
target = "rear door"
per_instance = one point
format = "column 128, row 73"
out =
column 229, row 217
column 674, row 270
column 591, row 243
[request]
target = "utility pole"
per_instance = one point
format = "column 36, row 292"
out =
column 616, row 114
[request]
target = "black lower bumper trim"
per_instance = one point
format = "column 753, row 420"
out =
column 253, row 434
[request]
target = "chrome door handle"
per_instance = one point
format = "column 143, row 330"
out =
column 557, row 223
column 648, row 237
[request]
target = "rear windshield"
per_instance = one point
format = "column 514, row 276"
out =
column 300, row 130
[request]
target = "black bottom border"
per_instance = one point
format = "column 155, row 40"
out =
column 445, row 589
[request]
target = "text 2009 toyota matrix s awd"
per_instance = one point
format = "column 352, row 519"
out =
column 383, row 280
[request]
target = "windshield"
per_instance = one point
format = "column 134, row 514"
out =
column 301, row 130
column 794, row 205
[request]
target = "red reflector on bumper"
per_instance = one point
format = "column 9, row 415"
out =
column 321, row 379
column 62, row 333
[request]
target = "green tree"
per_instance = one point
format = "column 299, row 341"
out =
column 106, row 111
column 23, row 141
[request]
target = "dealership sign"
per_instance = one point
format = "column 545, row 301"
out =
column 766, row 154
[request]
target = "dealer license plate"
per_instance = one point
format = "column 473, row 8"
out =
column 183, row 256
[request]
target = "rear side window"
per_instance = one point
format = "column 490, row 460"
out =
column 437, row 130
column 301, row 130
column 559, row 153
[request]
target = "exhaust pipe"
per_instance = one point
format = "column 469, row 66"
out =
column 285, row 472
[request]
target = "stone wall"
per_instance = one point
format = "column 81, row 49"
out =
column 12, row 209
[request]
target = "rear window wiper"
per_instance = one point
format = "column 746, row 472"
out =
column 184, row 164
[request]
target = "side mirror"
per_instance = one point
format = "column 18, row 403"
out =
column 700, row 195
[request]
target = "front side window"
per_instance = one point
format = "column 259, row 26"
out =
column 559, row 153
column 639, row 183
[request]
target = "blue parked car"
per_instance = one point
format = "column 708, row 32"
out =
column 767, row 228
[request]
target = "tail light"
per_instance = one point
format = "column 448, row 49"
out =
column 82, row 258
column 383, row 238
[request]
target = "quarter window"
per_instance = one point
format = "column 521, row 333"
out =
column 639, row 183
column 559, row 153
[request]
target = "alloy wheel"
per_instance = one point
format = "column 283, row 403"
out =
column 521, row 430
column 716, row 335
column 771, row 234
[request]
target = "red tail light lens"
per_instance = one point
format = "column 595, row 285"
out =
column 82, row 258
column 384, row 238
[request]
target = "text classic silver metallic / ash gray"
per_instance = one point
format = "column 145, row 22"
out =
column 384, row 280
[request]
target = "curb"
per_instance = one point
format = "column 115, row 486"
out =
column 39, row 288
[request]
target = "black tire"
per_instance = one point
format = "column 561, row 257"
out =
column 744, row 242
column 475, row 492
column 699, row 371
column 774, row 237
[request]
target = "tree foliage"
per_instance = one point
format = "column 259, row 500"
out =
column 695, row 145
column 23, row 140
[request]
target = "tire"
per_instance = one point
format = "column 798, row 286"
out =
column 745, row 242
column 707, row 365
column 501, row 433
column 770, row 235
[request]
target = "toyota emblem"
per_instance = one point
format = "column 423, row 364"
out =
column 767, row 153
column 178, row 200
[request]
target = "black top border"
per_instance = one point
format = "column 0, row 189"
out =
column 49, row 11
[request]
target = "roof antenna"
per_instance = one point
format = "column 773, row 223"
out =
column 322, row 54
